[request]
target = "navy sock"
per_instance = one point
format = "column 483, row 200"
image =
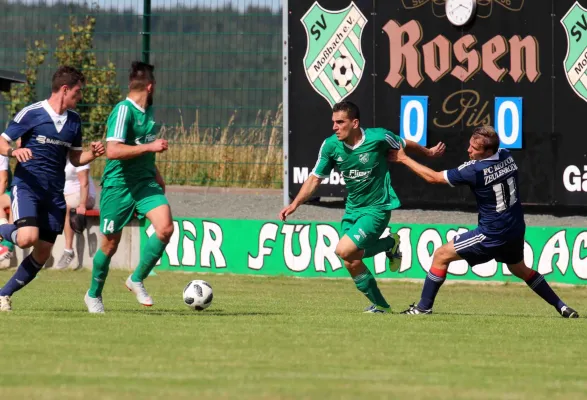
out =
column 25, row 273
column 432, row 284
column 539, row 285
column 6, row 231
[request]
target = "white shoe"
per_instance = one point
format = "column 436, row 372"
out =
column 66, row 259
column 95, row 305
column 5, row 303
column 139, row 289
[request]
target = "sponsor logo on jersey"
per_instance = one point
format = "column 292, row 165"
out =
column 45, row 140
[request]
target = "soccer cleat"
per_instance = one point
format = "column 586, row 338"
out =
column 5, row 303
column 66, row 259
column 139, row 290
column 568, row 312
column 373, row 309
column 5, row 253
column 415, row 310
column 394, row 255
column 95, row 305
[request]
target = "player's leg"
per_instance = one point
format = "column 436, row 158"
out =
column 514, row 250
column 352, row 255
column 151, row 203
column 6, row 247
column 28, row 269
column 71, row 201
column 375, row 225
column 116, row 210
column 465, row 246
column 24, row 232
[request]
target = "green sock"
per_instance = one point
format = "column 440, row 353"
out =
column 368, row 286
column 149, row 257
column 8, row 244
column 380, row 246
column 99, row 273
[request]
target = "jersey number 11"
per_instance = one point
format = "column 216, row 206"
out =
column 505, row 194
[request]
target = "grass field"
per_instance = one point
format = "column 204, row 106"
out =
column 269, row 338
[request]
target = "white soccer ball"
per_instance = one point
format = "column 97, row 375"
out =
column 197, row 295
column 342, row 71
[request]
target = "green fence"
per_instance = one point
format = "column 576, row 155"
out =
column 218, row 70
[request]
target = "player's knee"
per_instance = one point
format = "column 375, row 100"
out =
column 343, row 253
column 109, row 247
column 164, row 233
column 25, row 240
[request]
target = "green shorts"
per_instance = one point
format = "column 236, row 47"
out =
column 118, row 204
column 365, row 227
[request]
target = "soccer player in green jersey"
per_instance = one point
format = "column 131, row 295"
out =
column 131, row 184
column 361, row 156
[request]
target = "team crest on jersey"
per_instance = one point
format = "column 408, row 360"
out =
column 364, row 158
column 334, row 60
column 575, row 63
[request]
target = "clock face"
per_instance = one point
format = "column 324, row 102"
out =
column 459, row 12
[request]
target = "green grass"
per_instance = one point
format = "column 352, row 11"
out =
column 268, row 338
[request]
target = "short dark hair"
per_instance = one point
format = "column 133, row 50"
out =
column 141, row 74
column 351, row 109
column 68, row 76
column 488, row 137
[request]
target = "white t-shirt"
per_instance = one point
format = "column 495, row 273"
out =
column 72, row 184
column 4, row 164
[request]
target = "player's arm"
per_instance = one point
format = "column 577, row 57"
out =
column 324, row 165
column 429, row 175
column 83, row 175
column 15, row 131
column 77, row 157
column 116, row 150
column 414, row 148
column 119, row 122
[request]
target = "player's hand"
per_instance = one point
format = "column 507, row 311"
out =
column 81, row 210
column 97, row 149
column 22, row 154
column 437, row 151
column 159, row 146
column 397, row 156
column 286, row 211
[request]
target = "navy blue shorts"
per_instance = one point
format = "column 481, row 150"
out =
column 476, row 248
column 45, row 211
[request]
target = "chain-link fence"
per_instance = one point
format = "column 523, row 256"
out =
column 218, row 70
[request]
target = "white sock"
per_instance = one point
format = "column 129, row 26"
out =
column 70, row 251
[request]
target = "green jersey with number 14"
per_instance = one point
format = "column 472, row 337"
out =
column 132, row 125
column 364, row 168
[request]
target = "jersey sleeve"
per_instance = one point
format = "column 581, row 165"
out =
column 82, row 168
column 325, row 162
column 4, row 164
column 462, row 175
column 118, row 123
column 20, row 125
column 392, row 141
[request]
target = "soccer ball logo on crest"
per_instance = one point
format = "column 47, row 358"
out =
column 342, row 71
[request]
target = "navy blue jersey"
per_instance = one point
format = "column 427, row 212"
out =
column 49, row 136
column 494, row 181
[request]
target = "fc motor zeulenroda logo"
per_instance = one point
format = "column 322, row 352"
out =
column 575, row 24
column 334, row 61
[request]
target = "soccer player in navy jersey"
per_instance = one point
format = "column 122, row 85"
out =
column 49, row 132
column 492, row 176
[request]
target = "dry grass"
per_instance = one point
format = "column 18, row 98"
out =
column 228, row 156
